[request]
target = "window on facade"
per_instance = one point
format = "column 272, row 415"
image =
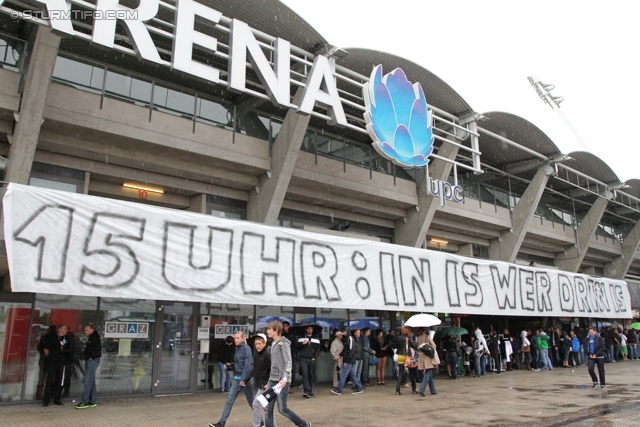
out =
column 55, row 310
column 56, row 178
column 224, row 207
column 480, row 251
column 77, row 73
column 126, row 364
column 221, row 315
column 14, row 339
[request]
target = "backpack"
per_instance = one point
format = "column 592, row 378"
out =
column 575, row 345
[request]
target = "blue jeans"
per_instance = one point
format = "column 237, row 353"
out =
column 545, row 359
column 539, row 362
column 225, row 377
column 428, row 378
column 90, row 367
column 348, row 370
column 633, row 351
column 282, row 408
column 453, row 364
column 308, row 368
column 358, row 369
column 616, row 352
column 233, row 394
column 610, row 352
column 483, row 365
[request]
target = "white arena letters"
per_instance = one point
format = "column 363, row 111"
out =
column 72, row 244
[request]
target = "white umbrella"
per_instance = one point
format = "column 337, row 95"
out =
column 422, row 320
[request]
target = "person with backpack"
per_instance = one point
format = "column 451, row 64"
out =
column 575, row 349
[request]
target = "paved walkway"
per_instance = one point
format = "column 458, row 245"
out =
column 548, row 398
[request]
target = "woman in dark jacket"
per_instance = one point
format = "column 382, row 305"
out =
column 403, row 345
column 225, row 363
column 380, row 346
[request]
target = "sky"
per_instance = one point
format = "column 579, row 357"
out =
column 486, row 49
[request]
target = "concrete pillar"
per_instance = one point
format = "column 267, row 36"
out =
column 507, row 246
column 414, row 230
column 198, row 204
column 32, row 103
column 265, row 201
column 87, row 181
column 465, row 250
column 586, row 232
column 618, row 268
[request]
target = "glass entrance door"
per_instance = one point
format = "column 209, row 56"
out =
column 175, row 348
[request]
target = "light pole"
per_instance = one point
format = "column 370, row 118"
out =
column 544, row 92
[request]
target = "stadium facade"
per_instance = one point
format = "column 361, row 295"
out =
column 240, row 116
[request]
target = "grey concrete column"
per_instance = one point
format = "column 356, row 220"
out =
column 265, row 201
column 507, row 246
column 465, row 250
column 87, row 181
column 414, row 230
column 32, row 103
column 586, row 232
column 198, row 204
column 618, row 268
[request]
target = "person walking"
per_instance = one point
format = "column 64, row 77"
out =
column 402, row 347
column 308, row 352
column 359, row 349
column 427, row 364
column 280, row 374
column 242, row 365
column 288, row 334
column 55, row 351
column 91, row 355
column 225, row 363
column 335, row 351
column 367, row 353
column 348, row 368
column 596, row 350
column 260, row 374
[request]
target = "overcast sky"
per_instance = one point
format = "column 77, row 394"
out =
column 486, row 49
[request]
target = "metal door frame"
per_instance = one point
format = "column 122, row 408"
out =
column 157, row 349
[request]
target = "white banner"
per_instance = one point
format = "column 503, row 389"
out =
column 72, row 244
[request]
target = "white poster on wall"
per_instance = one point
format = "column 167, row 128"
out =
column 73, row 244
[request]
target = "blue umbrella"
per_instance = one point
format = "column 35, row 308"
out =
column 263, row 321
column 364, row 323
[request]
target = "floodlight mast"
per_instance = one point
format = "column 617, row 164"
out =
column 544, row 92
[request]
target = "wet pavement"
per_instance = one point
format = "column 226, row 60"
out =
column 562, row 397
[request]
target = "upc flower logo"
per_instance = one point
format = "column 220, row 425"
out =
column 397, row 118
